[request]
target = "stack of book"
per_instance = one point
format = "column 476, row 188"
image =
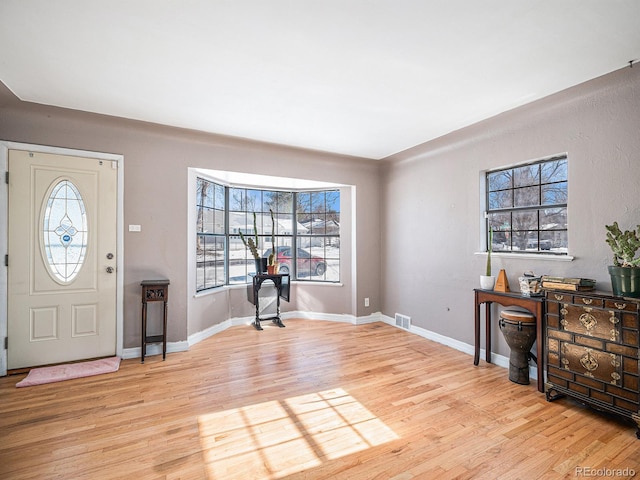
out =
column 564, row 283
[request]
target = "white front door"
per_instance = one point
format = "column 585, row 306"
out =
column 62, row 258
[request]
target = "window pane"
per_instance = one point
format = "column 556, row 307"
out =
column 304, row 222
column 284, row 224
column 237, row 199
column 218, row 226
column 554, row 193
column 499, row 180
column 254, row 201
column 554, row 171
column 199, row 219
column 557, row 241
column 304, row 202
column 219, row 197
column 526, row 197
column 333, row 202
column 205, row 220
column 202, row 193
column 317, row 202
column 527, row 175
column 553, row 219
column 284, row 202
column 525, row 220
column 501, row 199
column 333, row 224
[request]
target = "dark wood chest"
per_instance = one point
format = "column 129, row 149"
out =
column 592, row 350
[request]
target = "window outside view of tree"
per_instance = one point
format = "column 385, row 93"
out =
column 210, row 235
column 527, row 207
column 307, row 237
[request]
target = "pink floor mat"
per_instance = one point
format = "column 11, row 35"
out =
column 58, row 373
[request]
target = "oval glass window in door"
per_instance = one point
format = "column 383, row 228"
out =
column 64, row 231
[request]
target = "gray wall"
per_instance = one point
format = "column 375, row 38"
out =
column 417, row 214
column 432, row 202
column 156, row 160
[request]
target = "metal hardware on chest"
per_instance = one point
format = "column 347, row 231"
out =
column 589, row 362
column 588, row 321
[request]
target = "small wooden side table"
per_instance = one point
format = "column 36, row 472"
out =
column 283, row 289
column 154, row 291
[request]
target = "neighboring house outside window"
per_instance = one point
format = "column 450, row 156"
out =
column 527, row 207
column 319, row 215
column 313, row 227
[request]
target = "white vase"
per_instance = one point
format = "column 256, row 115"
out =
column 487, row 282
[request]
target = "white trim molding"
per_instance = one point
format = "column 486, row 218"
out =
column 198, row 337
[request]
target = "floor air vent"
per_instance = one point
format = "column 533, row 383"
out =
column 403, row 321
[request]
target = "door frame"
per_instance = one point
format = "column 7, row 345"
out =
column 5, row 146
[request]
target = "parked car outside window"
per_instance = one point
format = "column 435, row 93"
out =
column 306, row 263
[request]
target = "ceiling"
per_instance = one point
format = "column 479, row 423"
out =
column 367, row 78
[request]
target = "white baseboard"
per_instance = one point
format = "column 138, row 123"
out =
column 496, row 359
column 155, row 349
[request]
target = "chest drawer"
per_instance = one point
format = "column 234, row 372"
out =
column 590, row 321
column 592, row 363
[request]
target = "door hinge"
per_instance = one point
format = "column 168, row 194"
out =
column 6, row 343
column 6, row 177
column 6, row 260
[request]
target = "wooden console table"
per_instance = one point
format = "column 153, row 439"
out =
column 535, row 305
column 154, row 291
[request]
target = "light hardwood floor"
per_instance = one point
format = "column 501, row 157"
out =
column 315, row 400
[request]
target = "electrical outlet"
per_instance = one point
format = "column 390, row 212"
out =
column 366, row 302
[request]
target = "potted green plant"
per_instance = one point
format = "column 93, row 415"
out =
column 625, row 271
column 488, row 281
column 253, row 245
column 272, row 260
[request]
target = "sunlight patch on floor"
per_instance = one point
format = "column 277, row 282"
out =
column 277, row 438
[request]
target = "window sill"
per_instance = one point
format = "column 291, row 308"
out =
column 529, row 256
column 238, row 286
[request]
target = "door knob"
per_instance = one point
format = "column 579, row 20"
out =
column 109, row 269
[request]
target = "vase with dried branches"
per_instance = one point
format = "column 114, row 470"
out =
column 272, row 261
column 253, row 244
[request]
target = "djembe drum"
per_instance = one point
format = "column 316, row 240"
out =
column 519, row 330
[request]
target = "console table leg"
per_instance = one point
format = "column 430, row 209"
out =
column 143, row 346
column 476, row 354
column 164, row 332
column 487, row 331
